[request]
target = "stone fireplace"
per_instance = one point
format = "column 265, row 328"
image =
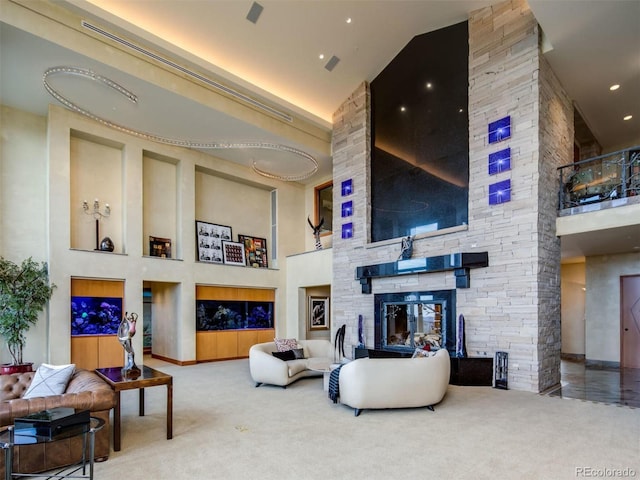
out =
column 409, row 320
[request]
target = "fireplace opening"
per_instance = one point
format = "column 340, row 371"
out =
column 406, row 321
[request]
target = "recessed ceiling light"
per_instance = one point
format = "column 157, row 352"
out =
column 321, row 56
column 614, row 87
column 348, row 20
column 403, row 109
column 429, row 85
column 628, row 117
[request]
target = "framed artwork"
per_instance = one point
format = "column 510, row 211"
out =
column 255, row 251
column 210, row 237
column 233, row 253
column 159, row 247
column 318, row 313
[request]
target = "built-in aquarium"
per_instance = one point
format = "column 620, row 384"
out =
column 95, row 315
column 233, row 315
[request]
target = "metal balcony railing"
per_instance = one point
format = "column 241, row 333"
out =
column 607, row 177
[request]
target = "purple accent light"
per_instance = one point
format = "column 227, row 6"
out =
column 500, row 161
column 500, row 192
column 347, row 230
column 347, row 187
column 500, row 130
column 347, row 209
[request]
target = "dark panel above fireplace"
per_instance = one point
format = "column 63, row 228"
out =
column 460, row 263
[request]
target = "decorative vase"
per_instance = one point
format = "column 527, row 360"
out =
column 106, row 245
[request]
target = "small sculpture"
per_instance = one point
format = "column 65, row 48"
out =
column 406, row 250
column 106, row 245
column 126, row 331
column 316, row 232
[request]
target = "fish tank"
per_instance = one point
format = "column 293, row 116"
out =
column 233, row 315
column 95, row 315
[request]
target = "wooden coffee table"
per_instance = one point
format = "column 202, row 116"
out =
column 149, row 377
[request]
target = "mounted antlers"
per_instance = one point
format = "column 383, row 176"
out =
column 316, row 232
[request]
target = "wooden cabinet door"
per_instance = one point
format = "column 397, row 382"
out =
column 246, row 338
column 227, row 344
column 206, row 346
column 265, row 336
column 84, row 352
column 110, row 352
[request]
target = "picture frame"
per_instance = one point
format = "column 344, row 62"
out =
column 318, row 313
column 209, row 237
column 159, row 247
column 255, row 250
column 233, row 253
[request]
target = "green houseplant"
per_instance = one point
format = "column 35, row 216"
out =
column 24, row 292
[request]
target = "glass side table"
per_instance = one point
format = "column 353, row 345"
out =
column 11, row 437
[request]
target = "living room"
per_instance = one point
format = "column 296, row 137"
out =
column 52, row 164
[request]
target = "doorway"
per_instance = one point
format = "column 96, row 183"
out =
column 630, row 321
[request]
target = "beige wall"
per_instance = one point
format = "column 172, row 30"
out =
column 602, row 326
column 306, row 272
column 23, row 206
column 46, row 179
column 573, row 294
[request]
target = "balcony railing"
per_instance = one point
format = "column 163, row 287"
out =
column 607, row 177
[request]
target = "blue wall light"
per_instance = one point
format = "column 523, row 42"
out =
column 500, row 161
column 347, row 230
column 500, row 130
column 347, row 187
column 347, row 209
column 500, row 192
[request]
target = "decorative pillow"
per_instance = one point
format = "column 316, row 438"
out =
column 284, row 344
column 286, row 355
column 298, row 353
column 50, row 380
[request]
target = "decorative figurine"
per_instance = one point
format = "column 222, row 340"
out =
column 406, row 250
column 126, row 331
column 316, row 232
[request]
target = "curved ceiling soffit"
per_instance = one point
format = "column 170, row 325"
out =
column 89, row 74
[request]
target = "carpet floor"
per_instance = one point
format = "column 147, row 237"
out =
column 225, row 428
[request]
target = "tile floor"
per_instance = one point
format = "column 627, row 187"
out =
column 613, row 386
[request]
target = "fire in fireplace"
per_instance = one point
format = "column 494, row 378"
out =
column 406, row 321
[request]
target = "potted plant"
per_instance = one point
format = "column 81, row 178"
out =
column 24, row 292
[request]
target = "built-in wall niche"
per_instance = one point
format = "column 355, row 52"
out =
column 96, row 173
column 242, row 205
column 160, row 177
column 95, row 310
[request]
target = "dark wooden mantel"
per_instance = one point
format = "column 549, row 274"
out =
column 460, row 263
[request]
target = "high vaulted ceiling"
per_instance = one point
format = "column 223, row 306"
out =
column 590, row 44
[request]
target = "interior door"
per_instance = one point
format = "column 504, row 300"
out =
column 630, row 321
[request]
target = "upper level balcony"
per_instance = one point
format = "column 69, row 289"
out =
column 599, row 205
column 600, row 179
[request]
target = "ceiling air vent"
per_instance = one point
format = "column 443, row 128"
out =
column 254, row 12
column 331, row 64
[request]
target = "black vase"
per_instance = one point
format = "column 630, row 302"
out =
column 106, row 245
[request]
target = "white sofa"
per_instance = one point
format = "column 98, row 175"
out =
column 265, row 368
column 395, row 382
